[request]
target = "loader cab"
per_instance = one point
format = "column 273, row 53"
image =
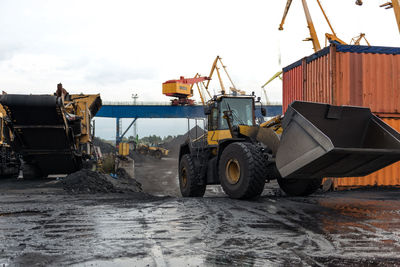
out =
column 242, row 109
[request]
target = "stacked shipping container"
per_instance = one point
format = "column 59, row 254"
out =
column 356, row 76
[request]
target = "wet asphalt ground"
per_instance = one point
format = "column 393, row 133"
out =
column 41, row 225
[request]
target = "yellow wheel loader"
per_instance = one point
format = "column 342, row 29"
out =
column 154, row 151
column 311, row 141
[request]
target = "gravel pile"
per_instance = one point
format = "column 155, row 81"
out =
column 89, row 182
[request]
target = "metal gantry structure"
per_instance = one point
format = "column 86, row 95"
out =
column 142, row 111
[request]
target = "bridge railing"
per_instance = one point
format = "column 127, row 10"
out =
column 138, row 103
column 158, row 103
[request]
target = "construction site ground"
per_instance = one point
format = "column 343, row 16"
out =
column 42, row 224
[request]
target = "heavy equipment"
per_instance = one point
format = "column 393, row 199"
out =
column 356, row 40
column 52, row 133
column 309, row 142
column 152, row 150
column 331, row 37
column 10, row 162
column 181, row 89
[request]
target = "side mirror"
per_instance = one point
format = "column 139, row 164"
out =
column 207, row 110
column 263, row 112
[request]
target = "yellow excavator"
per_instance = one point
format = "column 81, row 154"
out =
column 309, row 142
column 52, row 133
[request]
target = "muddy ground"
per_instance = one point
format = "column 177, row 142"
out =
column 40, row 224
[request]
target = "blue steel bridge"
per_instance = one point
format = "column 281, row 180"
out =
column 164, row 110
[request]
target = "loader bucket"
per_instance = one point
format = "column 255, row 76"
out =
column 321, row 140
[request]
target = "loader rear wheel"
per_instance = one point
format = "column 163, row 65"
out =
column 30, row 172
column 188, row 179
column 241, row 169
column 299, row 187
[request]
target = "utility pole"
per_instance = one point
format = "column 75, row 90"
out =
column 134, row 97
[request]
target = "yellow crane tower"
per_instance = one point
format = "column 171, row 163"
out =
column 313, row 34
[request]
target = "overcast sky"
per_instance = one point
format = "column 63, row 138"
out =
column 117, row 48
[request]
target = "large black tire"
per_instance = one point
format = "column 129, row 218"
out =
column 299, row 187
column 241, row 170
column 31, row 172
column 189, row 179
column 158, row 154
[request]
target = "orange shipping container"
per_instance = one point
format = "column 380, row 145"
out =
column 366, row 76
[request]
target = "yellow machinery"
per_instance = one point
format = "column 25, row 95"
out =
column 276, row 75
column 9, row 160
column 123, row 149
column 313, row 34
column 332, row 37
column 154, row 151
column 215, row 67
column 309, row 142
column 51, row 132
column 356, row 40
column 181, row 89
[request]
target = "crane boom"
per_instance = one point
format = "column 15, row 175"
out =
column 313, row 35
column 288, row 3
column 395, row 4
column 215, row 67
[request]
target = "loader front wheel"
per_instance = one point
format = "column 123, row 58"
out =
column 241, row 169
column 189, row 184
column 299, row 187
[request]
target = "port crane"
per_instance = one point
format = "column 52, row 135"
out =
column 182, row 89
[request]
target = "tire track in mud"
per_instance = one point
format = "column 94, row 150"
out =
column 334, row 228
column 257, row 231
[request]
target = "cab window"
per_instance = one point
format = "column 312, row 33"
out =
column 213, row 120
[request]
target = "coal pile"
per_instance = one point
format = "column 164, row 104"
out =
column 90, row 182
column 137, row 157
column 175, row 143
column 105, row 147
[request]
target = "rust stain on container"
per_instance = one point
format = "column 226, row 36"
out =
column 347, row 75
column 292, row 86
